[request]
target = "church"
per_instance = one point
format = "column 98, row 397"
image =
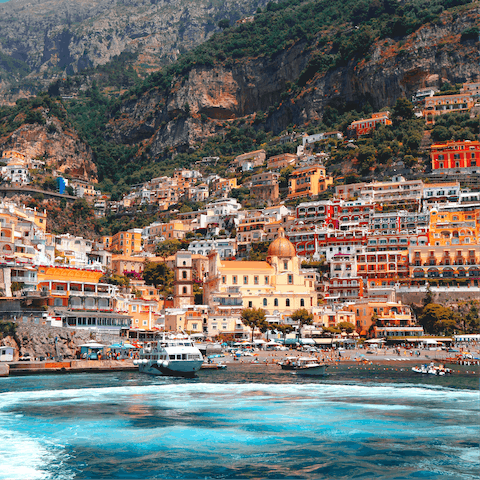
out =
column 276, row 285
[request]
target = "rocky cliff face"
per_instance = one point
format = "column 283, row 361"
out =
column 60, row 148
column 48, row 39
column 428, row 57
column 39, row 341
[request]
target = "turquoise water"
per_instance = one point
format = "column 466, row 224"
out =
column 244, row 422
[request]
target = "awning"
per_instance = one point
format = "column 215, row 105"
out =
column 375, row 340
column 307, row 341
column 323, row 341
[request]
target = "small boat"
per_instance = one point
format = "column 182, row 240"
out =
column 432, row 369
column 306, row 366
column 288, row 363
column 173, row 355
column 214, row 366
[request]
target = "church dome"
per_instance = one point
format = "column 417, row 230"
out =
column 281, row 246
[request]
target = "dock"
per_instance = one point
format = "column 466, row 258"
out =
column 66, row 366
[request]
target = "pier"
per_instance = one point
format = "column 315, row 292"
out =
column 66, row 366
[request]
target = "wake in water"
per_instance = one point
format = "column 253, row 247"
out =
column 166, row 428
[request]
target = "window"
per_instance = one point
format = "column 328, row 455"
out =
column 184, row 274
column 266, row 280
column 185, row 290
column 275, row 302
column 290, row 279
column 287, row 302
column 234, row 279
column 285, row 265
column 134, row 308
column 255, row 280
column 302, row 302
column 265, row 302
column 224, row 279
column 245, row 279
column 250, row 304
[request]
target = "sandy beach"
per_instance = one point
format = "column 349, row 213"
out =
column 354, row 357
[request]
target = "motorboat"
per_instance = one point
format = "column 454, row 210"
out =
column 173, row 355
column 306, row 366
column 432, row 369
column 288, row 363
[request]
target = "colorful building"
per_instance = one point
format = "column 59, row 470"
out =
column 308, row 181
column 367, row 125
column 460, row 155
column 276, row 285
column 128, row 242
column 74, row 288
column 454, row 225
column 441, row 104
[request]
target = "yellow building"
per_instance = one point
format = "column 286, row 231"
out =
column 143, row 313
column 129, row 242
column 276, row 285
column 445, row 265
column 454, row 226
column 308, row 181
column 223, row 185
column 125, row 263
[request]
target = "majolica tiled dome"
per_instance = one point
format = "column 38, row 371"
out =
column 281, row 246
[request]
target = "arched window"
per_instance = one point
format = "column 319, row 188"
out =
column 302, row 302
column 287, row 302
column 275, row 302
column 184, row 289
column 184, row 274
column 265, row 302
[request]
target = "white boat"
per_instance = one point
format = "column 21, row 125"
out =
column 307, row 366
column 432, row 369
column 174, row 356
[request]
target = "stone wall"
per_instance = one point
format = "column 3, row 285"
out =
column 39, row 340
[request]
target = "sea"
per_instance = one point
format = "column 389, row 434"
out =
column 248, row 422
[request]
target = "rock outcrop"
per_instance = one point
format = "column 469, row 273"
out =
column 393, row 69
column 49, row 39
column 60, row 148
column 39, row 341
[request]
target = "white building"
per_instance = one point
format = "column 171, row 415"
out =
column 225, row 247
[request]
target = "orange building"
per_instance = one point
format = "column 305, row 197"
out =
column 308, row 181
column 461, row 154
column 75, row 288
column 393, row 319
column 440, row 104
column 129, row 242
column 278, row 162
column 367, row 125
column 454, row 226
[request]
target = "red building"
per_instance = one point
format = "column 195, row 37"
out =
column 459, row 154
column 366, row 125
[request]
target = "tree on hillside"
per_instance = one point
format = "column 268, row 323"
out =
column 436, row 319
column 255, row 318
column 168, row 247
column 159, row 275
column 403, row 110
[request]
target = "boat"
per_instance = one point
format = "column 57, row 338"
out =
column 432, row 369
column 173, row 355
column 288, row 363
column 305, row 366
column 214, row 366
